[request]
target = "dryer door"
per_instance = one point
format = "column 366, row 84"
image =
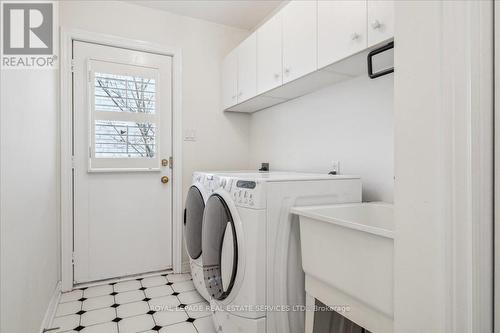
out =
column 220, row 248
column 193, row 219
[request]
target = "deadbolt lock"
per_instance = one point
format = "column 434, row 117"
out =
column 164, row 162
column 164, row 179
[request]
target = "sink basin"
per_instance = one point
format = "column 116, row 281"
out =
column 347, row 256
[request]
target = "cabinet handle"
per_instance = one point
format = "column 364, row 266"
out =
column 276, row 76
column 376, row 24
column 355, row 36
column 233, row 97
column 287, row 71
column 240, row 94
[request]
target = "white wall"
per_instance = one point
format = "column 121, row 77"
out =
column 443, row 166
column 222, row 138
column 29, row 196
column 351, row 122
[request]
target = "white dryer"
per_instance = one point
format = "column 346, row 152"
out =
column 201, row 188
column 251, row 247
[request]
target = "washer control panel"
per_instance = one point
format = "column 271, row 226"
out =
column 248, row 193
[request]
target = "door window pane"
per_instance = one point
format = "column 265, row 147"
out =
column 121, row 139
column 122, row 93
column 125, row 125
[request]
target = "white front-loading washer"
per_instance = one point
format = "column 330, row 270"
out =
column 204, row 183
column 251, row 247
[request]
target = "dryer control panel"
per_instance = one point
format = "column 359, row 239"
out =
column 208, row 181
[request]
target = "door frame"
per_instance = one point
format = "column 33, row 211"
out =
column 66, row 134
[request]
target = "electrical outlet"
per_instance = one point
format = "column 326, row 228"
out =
column 335, row 167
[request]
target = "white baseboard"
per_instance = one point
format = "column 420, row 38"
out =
column 51, row 309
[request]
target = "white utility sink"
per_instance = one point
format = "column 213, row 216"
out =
column 348, row 259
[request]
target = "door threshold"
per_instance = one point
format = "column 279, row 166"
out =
column 121, row 279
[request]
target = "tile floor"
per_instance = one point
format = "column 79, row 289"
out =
column 165, row 303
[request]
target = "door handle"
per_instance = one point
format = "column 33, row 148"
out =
column 164, row 179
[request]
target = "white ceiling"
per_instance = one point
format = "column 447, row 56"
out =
column 243, row 14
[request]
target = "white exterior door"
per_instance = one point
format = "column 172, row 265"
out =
column 122, row 132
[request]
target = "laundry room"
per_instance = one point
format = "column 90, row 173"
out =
column 223, row 166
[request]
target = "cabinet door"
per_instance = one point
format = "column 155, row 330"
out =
column 380, row 21
column 230, row 80
column 270, row 55
column 341, row 29
column 299, row 39
column 247, row 68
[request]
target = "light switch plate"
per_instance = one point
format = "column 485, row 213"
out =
column 190, row 134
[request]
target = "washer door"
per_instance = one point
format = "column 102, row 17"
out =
column 193, row 220
column 220, row 248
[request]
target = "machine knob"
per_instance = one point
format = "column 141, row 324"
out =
column 376, row 24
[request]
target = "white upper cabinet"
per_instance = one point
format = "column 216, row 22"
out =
column 299, row 39
column 247, row 68
column 341, row 29
column 380, row 21
column 230, row 80
column 308, row 44
column 269, row 54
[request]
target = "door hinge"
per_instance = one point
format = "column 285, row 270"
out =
column 73, row 258
column 72, row 162
column 90, row 152
column 73, row 65
column 170, row 161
